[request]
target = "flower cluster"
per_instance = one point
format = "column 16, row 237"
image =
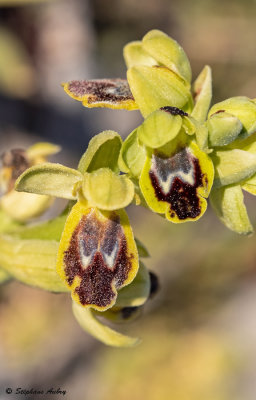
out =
column 182, row 153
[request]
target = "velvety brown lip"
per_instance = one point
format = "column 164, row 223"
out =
column 96, row 241
column 182, row 196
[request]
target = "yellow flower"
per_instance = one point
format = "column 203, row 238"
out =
column 23, row 206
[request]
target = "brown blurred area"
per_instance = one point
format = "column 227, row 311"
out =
column 199, row 332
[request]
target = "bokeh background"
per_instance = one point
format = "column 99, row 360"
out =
column 199, row 332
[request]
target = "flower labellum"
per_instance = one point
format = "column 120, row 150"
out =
column 97, row 255
column 176, row 179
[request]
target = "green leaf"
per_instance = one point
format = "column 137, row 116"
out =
column 88, row 321
column 106, row 190
column 159, row 128
column 32, row 262
column 132, row 155
column 134, row 54
column 51, row 179
column 167, row 52
column 233, row 166
column 223, row 128
column 228, row 203
column 137, row 292
column 202, row 90
column 156, row 87
column 242, row 108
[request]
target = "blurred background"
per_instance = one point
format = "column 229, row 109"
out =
column 199, row 332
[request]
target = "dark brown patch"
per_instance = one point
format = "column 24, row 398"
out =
column 182, row 196
column 97, row 241
column 102, row 90
column 15, row 160
column 174, row 111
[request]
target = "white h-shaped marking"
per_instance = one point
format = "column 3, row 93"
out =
column 186, row 177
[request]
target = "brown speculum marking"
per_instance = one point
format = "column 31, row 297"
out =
column 98, row 255
column 175, row 180
column 102, row 90
column 16, row 162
